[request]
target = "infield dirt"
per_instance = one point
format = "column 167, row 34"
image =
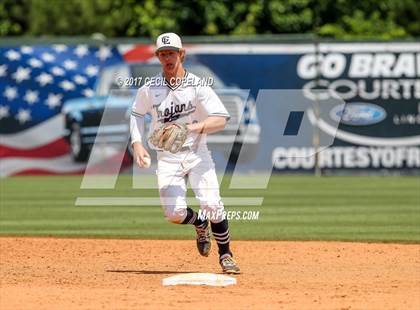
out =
column 50, row 273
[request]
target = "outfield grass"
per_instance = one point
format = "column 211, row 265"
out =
column 295, row 208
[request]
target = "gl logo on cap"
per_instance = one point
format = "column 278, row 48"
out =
column 165, row 40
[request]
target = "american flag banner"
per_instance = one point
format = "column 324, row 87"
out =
column 35, row 81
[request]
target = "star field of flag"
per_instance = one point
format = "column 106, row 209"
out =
column 36, row 80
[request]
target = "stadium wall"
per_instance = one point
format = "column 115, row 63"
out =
column 379, row 126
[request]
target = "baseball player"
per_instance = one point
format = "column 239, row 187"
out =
column 183, row 112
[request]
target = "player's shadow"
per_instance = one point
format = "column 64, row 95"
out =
column 150, row 271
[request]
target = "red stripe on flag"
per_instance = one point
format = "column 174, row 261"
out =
column 56, row 148
column 47, row 172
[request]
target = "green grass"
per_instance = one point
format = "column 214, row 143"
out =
column 385, row 209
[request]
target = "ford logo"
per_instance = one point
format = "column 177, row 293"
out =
column 358, row 114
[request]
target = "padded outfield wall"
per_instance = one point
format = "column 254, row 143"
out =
column 378, row 85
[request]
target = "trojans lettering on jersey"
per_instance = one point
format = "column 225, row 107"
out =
column 174, row 111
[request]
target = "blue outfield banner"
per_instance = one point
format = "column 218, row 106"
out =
column 379, row 119
column 367, row 94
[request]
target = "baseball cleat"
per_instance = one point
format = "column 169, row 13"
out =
column 229, row 265
column 203, row 240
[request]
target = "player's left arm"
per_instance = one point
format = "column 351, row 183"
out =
column 209, row 125
column 217, row 115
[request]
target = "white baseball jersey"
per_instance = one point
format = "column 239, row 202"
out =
column 187, row 103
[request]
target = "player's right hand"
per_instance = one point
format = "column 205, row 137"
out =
column 139, row 153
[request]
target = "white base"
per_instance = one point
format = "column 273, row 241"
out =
column 199, row 279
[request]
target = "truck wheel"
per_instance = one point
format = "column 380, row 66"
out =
column 79, row 151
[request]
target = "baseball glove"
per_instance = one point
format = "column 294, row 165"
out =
column 170, row 137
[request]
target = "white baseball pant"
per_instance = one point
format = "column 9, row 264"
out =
column 198, row 168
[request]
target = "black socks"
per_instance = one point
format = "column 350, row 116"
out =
column 221, row 234
column 193, row 218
